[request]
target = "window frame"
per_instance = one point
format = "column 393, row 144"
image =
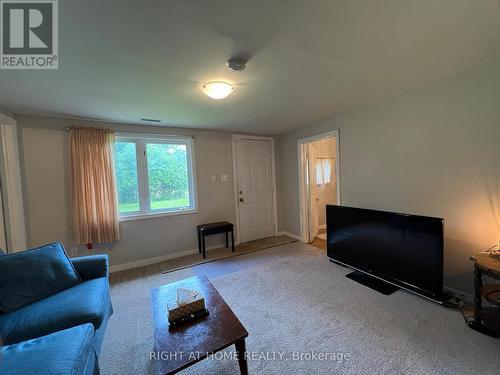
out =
column 141, row 141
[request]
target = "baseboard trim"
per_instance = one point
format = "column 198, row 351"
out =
column 469, row 297
column 285, row 233
column 154, row 260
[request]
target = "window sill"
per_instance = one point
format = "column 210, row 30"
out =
column 157, row 214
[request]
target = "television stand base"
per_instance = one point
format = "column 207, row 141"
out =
column 372, row 282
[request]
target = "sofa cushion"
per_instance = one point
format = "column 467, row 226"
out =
column 91, row 266
column 62, row 353
column 34, row 274
column 87, row 302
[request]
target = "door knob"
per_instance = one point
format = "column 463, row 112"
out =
column 241, row 200
column 241, row 191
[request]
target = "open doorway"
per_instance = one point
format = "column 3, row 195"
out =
column 319, row 184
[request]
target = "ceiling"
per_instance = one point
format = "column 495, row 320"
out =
column 123, row 60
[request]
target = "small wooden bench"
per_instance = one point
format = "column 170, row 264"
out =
column 214, row 228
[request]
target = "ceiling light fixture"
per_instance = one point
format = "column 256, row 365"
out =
column 217, row 89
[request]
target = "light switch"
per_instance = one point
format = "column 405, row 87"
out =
column 224, row 178
column 214, row 178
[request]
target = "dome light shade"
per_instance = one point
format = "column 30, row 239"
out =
column 217, row 89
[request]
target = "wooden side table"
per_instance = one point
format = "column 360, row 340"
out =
column 486, row 320
column 214, row 228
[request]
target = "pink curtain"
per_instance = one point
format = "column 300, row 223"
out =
column 93, row 185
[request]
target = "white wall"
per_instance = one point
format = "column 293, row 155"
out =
column 434, row 152
column 44, row 150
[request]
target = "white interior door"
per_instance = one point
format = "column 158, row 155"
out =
column 255, row 189
column 313, row 194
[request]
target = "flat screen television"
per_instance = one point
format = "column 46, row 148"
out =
column 400, row 249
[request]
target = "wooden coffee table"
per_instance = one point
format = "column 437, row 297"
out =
column 180, row 347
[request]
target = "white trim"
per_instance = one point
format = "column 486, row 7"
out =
column 3, row 227
column 6, row 117
column 285, row 233
column 149, row 261
column 252, row 137
column 303, row 211
column 235, row 191
column 155, row 215
column 12, row 187
column 154, row 260
column 236, row 137
column 302, row 191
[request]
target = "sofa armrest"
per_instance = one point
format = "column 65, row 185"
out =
column 91, row 267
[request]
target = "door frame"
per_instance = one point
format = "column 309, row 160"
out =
column 303, row 191
column 238, row 137
column 12, row 196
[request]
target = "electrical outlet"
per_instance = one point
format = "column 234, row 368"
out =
column 224, row 178
column 214, row 178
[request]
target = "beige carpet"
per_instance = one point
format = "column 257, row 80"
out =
column 194, row 259
column 294, row 301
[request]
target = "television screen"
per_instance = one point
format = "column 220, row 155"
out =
column 406, row 250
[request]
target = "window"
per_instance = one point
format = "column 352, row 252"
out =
column 154, row 175
column 323, row 171
column 327, row 170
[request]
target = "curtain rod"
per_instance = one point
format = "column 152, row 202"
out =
column 132, row 131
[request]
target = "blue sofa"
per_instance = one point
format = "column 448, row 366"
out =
column 63, row 333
